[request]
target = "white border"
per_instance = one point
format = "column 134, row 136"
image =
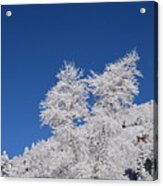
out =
column 42, row 181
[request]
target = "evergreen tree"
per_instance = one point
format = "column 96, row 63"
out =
column 65, row 103
column 117, row 86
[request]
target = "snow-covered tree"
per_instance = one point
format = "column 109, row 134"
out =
column 5, row 165
column 66, row 103
column 117, row 86
column 113, row 138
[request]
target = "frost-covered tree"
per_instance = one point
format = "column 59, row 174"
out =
column 64, row 108
column 66, row 103
column 5, row 165
column 113, row 138
column 117, row 86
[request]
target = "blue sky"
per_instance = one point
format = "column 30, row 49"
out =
column 36, row 40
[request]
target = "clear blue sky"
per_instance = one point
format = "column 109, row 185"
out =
column 36, row 40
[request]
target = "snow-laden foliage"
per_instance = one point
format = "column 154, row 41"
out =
column 66, row 101
column 117, row 86
column 113, row 138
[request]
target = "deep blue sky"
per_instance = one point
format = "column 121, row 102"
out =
column 36, row 40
